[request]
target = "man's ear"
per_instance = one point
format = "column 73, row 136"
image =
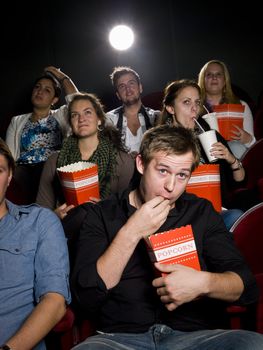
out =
column 139, row 164
column 170, row 109
column 141, row 90
column 9, row 177
column 55, row 100
column 117, row 94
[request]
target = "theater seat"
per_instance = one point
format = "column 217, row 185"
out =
column 153, row 100
column 252, row 161
column 258, row 120
column 70, row 331
column 248, row 236
column 260, row 189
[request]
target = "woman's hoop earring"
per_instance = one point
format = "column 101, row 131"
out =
column 99, row 128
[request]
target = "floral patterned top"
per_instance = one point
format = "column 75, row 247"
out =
column 39, row 140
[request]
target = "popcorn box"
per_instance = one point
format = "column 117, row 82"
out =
column 176, row 246
column 205, row 183
column 79, row 182
column 227, row 116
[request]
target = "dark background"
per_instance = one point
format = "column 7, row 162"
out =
column 173, row 39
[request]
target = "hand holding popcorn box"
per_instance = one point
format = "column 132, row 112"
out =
column 228, row 116
column 79, row 182
column 176, row 246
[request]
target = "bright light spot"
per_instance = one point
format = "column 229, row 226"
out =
column 121, row 37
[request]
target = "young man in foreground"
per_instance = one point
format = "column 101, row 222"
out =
column 114, row 280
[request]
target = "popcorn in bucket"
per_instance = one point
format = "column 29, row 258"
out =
column 79, row 182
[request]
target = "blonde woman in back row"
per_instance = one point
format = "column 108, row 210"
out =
column 215, row 83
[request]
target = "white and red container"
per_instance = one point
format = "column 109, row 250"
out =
column 176, row 246
column 79, row 182
column 205, row 183
column 229, row 115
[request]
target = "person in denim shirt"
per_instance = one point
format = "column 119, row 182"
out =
column 34, row 268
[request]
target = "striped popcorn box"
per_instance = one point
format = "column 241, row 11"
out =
column 79, row 182
column 176, row 246
column 227, row 116
column 205, row 183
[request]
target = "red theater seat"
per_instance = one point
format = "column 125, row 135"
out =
column 248, row 235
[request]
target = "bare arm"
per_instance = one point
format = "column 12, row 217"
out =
column 65, row 81
column 44, row 317
column 222, row 152
column 241, row 135
column 183, row 284
column 143, row 222
column 245, row 135
column 13, row 133
column 238, row 173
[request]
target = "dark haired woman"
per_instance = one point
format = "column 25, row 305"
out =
column 181, row 106
column 34, row 136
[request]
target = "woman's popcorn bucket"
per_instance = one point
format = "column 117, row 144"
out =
column 205, row 183
column 79, row 182
column 227, row 116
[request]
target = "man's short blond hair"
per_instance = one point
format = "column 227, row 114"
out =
column 170, row 140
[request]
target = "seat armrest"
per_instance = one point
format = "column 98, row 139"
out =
column 66, row 323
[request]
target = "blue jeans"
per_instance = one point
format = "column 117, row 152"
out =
column 230, row 216
column 161, row 337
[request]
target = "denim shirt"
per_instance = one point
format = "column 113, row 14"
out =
column 33, row 261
